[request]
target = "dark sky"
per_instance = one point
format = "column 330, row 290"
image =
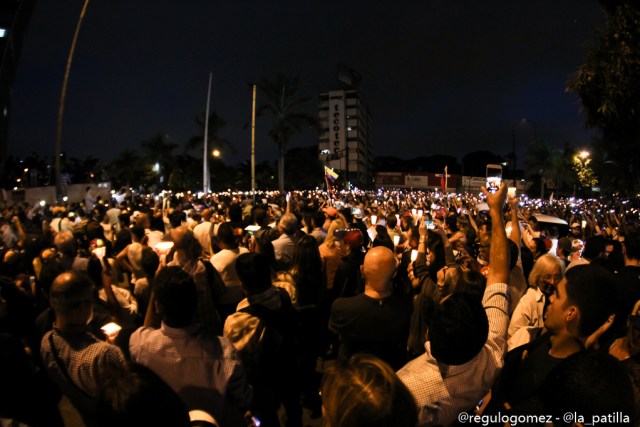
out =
column 440, row 77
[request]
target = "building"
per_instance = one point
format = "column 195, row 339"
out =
column 14, row 17
column 345, row 142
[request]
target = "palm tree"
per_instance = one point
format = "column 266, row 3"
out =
column 282, row 103
column 87, row 170
column 160, row 151
column 215, row 141
column 548, row 166
column 127, row 169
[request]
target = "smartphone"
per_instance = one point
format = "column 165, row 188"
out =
column 429, row 223
column 414, row 255
column 494, row 177
column 356, row 211
column 511, row 192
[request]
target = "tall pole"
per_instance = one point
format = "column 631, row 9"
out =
column 206, row 176
column 513, row 130
column 253, row 144
column 63, row 95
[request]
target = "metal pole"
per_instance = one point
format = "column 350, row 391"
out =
column 513, row 130
column 206, row 176
column 253, row 144
column 63, row 95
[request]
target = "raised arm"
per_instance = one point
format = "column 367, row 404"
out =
column 499, row 256
column 516, row 234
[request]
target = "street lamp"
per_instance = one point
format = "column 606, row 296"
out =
column 63, row 95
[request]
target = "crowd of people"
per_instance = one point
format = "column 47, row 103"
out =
column 387, row 308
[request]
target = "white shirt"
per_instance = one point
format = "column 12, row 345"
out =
column 225, row 262
column 443, row 391
column 201, row 231
column 205, row 371
column 529, row 312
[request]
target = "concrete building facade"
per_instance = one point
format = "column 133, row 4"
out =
column 345, row 141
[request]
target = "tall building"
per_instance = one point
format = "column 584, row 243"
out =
column 14, row 17
column 345, row 136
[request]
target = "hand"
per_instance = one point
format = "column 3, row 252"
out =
column 496, row 200
column 513, row 203
column 422, row 228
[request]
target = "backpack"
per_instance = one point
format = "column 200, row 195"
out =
column 278, row 348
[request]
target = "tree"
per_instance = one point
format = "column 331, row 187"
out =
column 127, row 169
column 282, row 104
column 87, row 170
column 216, row 123
column 541, row 165
column 608, row 85
column 581, row 164
column 160, row 152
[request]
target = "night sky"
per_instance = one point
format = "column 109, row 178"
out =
column 440, row 77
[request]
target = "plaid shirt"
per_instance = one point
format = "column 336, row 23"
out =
column 206, row 372
column 443, row 391
column 84, row 358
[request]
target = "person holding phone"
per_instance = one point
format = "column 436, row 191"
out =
column 74, row 358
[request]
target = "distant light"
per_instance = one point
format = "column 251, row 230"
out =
column 216, row 153
column 26, row 170
column 65, row 198
column 42, row 203
column 156, row 167
column 584, row 154
column 3, row 32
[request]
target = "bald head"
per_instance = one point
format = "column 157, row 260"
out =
column 69, row 290
column 143, row 221
column 206, row 214
column 379, row 268
column 185, row 241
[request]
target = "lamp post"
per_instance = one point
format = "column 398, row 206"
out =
column 63, row 95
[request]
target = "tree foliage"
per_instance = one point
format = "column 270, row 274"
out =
column 216, row 123
column 283, row 103
column 608, row 85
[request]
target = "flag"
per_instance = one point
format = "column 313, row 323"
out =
column 330, row 174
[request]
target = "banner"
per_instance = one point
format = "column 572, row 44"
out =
column 337, row 129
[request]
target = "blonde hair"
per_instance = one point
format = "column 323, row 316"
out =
column 336, row 224
column 542, row 266
column 367, row 392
